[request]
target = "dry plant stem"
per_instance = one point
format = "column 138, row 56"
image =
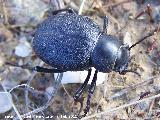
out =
column 58, row 81
column 20, row 86
column 103, row 11
column 151, row 106
column 122, row 28
column 14, row 107
column 67, row 92
column 121, row 107
column 124, row 91
column 81, row 7
column 20, row 25
column 31, row 89
column 26, row 90
column 117, row 3
column 99, row 103
column 5, row 12
column 147, row 10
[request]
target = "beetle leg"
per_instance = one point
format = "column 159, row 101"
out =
column 90, row 93
column 37, row 68
column 125, row 71
column 81, row 89
column 46, row 70
column 105, row 24
column 69, row 10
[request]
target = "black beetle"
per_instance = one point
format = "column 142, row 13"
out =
column 71, row 42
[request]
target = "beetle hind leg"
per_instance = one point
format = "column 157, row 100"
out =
column 36, row 68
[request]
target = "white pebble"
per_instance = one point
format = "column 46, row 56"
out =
column 80, row 76
column 127, row 39
column 5, row 103
column 23, row 49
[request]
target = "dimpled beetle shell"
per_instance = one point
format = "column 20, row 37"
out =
column 65, row 41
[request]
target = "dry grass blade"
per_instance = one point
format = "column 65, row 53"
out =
column 121, row 107
column 81, row 7
column 14, row 107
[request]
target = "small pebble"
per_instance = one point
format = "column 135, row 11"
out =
column 23, row 49
column 127, row 39
column 27, row 11
column 5, row 103
column 80, row 76
column 49, row 92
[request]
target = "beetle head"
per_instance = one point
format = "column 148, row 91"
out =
column 122, row 59
column 110, row 54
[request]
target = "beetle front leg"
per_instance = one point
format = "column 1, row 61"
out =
column 105, row 24
column 90, row 93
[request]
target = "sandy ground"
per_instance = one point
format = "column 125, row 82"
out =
column 129, row 20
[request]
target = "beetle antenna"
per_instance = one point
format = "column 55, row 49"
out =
column 148, row 35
